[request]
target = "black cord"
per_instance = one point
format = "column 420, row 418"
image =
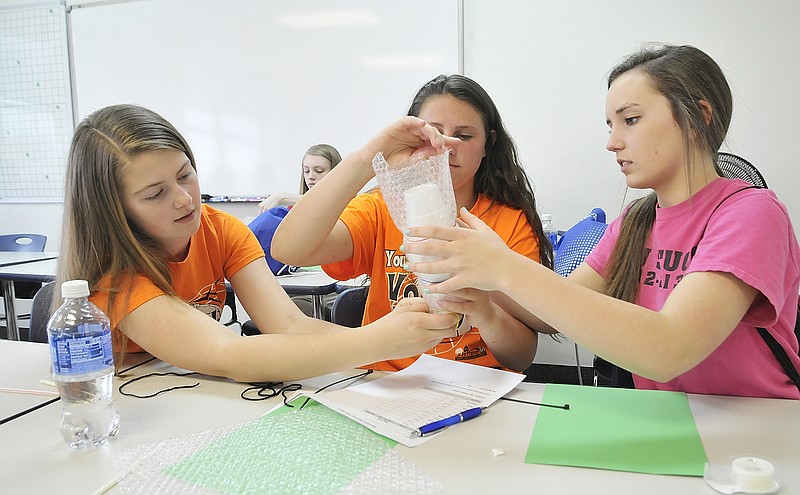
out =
column 354, row 377
column 160, row 391
column 267, row 390
column 565, row 406
column 26, row 411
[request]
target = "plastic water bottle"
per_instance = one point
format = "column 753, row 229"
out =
column 79, row 334
column 549, row 230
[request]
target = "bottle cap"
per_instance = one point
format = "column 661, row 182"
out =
column 547, row 217
column 75, row 288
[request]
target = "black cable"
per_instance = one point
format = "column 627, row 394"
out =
column 354, row 377
column 26, row 411
column 565, row 406
column 267, row 390
column 160, row 391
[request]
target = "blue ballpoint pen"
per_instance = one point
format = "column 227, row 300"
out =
column 444, row 423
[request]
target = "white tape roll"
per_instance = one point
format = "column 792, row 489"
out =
column 753, row 474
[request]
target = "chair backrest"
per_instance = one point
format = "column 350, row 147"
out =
column 264, row 227
column 577, row 242
column 348, row 308
column 23, row 242
column 736, row 167
column 40, row 313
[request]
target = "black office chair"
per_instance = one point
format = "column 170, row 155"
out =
column 348, row 308
column 230, row 302
column 573, row 246
column 40, row 313
column 736, row 167
column 29, row 243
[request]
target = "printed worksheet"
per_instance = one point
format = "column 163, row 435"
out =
column 429, row 390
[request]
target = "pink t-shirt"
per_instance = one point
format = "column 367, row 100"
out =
column 749, row 236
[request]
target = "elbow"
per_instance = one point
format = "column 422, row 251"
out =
column 518, row 362
column 667, row 370
column 662, row 376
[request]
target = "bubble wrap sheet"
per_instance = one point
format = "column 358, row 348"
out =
column 395, row 179
column 289, row 451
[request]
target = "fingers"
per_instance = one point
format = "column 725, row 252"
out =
column 436, row 232
column 410, row 304
column 431, row 321
column 473, row 221
column 428, row 133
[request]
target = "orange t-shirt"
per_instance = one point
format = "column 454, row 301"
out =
column 222, row 246
column 376, row 252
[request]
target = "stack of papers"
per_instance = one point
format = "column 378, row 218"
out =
column 429, row 390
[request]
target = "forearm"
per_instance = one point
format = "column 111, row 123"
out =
column 656, row 344
column 288, row 357
column 286, row 199
column 518, row 312
column 511, row 342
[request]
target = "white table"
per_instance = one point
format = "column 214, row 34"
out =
column 22, row 267
column 22, row 369
column 9, row 258
column 34, row 458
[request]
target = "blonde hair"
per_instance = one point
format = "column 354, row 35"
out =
column 98, row 239
column 325, row 151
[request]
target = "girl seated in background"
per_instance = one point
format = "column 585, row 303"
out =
column 351, row 236
column 317, row 162
column 156, row 260
column 675, row 290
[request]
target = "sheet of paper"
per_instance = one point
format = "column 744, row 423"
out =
column 642, row 431
column 429, row 390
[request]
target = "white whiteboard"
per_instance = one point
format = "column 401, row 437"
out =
column 252, row 84
column 35, row 103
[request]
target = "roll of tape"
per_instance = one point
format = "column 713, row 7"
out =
column 753, row 474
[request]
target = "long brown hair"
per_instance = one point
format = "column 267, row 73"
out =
column 684, row 75
column 500, row 177
column 98, row 239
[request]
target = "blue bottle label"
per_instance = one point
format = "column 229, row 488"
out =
column 88, row 352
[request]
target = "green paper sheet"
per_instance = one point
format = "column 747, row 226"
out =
column 315, row 450
column 642, row 431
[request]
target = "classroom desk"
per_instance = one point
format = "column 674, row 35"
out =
column 22, row 267
column 315, row 283
column 9, row 258
column 34, row 457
